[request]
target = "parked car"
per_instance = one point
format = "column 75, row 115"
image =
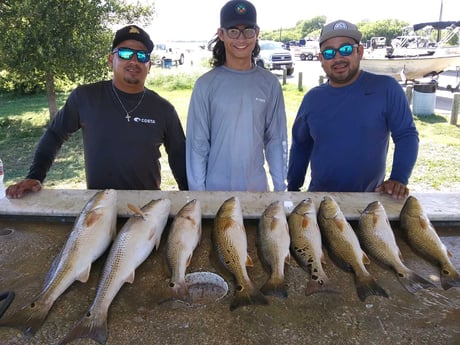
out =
column 163, row 52
column 308, row 51
column 273, row 56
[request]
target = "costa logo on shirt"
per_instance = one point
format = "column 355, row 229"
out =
column 141, row 120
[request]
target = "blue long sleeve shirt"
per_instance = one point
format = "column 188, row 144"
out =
column 343, row 133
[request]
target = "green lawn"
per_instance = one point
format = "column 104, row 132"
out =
column 24, row 118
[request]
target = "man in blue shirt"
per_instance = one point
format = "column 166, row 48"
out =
column 343, row 127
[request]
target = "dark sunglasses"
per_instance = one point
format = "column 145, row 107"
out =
column 344, row 50
column 234, row 33
column 128, row 53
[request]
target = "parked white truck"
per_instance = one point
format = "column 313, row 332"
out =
column 166, row 54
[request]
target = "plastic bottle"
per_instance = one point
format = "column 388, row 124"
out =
column 2, row 185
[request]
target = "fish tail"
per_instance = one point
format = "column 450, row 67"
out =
column 28, row 319
column 247, row 296
column 317, row 286
column 275, row 287
column 412, row 282
column 88, row 327
column 449, row 278
column 366, row 286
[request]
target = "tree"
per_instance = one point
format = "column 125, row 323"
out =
column 307, row 27
column 385, row 28
column 46, row 40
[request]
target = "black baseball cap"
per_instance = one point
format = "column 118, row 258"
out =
column 238, row 12
column 133, row 32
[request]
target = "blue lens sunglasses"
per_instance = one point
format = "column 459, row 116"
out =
column 344, row 50
column 128, row 53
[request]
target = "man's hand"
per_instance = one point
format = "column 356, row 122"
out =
column 394, row 188
column 19, row 189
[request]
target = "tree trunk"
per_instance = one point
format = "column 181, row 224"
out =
column 51, row 94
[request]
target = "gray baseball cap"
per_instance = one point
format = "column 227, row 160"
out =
column 340, row 28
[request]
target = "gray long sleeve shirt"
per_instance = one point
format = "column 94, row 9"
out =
column 236, row 122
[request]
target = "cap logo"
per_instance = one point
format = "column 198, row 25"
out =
column 134, row 30
column 240, row 9
column 340, row 26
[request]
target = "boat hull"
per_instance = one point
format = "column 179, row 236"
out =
column 410, row 67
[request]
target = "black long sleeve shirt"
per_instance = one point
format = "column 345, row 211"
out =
column 119, row 154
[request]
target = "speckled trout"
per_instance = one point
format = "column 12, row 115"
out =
column 91, row 235
column 378, row 240
column 344, row 246
column 423, row 238
column 273, row 243
column 230, row 243
column 306, row 245
column 184, row 236
column 133, row 244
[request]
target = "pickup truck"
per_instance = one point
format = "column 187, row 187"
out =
column 163, row 52
column 273, row 56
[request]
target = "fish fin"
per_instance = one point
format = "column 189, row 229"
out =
column 249, row 262
column 375, row 220
column 366, row 260
column 449, row 279
column 137, row 211
column 323, row 259
column 92, row 217
column 88, row 327
column 449, row 254
column 287, row 259
column 412, row 282
column 275, row 287
column 341, row 224
column 424, row 222
column 84, row 276
column 305, row 221
column 366, row 286
column 274, row 223
column 29, row 318
column 243, row 297
column 130, row 278
column 189, row 259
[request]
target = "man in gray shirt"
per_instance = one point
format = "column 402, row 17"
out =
column 236, row 117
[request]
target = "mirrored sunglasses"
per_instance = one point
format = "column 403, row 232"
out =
column 344, row 50
column 128, row 53
column 234, row 33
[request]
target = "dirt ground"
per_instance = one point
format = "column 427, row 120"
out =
column 429, row 317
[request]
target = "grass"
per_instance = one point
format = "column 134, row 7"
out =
column 23, row 120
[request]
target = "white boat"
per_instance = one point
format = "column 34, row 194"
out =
column 413, row 56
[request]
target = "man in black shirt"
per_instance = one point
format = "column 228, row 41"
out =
column 123, row 123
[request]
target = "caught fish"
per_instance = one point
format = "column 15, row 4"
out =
column 273, row 242
column 133, row 244
column 377, row 237
column 91, row 235
column 306, row 245
column 422, row 237
column 230, row 243
column 184, row 236
column 344, row 246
